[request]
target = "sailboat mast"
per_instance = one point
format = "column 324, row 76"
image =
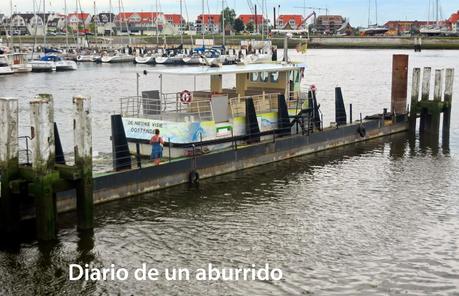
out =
column 11, row 23
column 436, row 12
column 156, row 22
column 369, row 13
column 181, row 23
column 44, row 22
column 202, row 23
column 223, row 21
column 376, row 11
column 66, row 25
column 96, row 22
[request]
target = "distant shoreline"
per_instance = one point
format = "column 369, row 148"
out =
column 438, row 43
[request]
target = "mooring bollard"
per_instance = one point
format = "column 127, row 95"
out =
column 9, row 210
column 42, row 144
column 82, row 133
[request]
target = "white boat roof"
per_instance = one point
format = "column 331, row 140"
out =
column 228, row 69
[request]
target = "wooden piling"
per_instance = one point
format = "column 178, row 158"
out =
column 82, row 132
column 433, row 121
column 414, row 97
column 426, row 83
column 448, row 98
column 42, row 144
column 399, row 83
column 9, row 209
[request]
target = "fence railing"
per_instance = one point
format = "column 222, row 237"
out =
column 167, row 104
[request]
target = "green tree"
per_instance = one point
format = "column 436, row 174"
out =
column 229, row 15
column 238, row 25
column 250, row 27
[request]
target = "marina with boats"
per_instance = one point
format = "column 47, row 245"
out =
column 150, row 146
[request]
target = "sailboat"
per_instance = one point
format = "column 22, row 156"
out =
column 373, row 29
column 5, row 68
column 436, row 28
column 19, row 62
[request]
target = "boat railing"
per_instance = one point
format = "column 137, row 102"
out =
column 167, row 105
column 264, row 103
column 296, row 99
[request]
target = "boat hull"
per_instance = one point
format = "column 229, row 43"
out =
column 145, row 60
column 118, row 59
column 41, row 66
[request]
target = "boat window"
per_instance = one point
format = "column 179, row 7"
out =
column 297, row 76
column 264, row 76
column 254, row 76
column 290, row 76
column 274, row 76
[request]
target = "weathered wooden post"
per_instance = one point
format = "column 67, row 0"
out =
column 425, row 94
column 399, row 84
column 434, row 118
column 426, row 83
column 43, row 158
column 9, row 210
column 82, row 133
column 448, row 99
column 414, row 97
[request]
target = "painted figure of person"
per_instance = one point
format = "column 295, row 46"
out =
column 157, row 143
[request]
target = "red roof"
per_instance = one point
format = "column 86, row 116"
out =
column 454, row 18
column 176, row 19
column 210, row 18
column 145, row 17
column 247, row 18
column 80, row 15
column 285, row 18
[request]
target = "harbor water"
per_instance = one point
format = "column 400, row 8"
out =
column 375, row 218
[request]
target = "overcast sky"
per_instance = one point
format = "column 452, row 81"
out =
column 356, row 10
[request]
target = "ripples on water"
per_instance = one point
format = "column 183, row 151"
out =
column 374, row 218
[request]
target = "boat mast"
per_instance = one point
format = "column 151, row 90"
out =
column 66, row 25
column 369, row 13
column 156, row 22
column 202, row 23
column 45, row 23
column 11, row 25
column 376, row 12
column 96, row 21
column 223, row 21
column 181, row 23
column 111, row 23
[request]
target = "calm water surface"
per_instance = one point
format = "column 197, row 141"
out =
column 371, row 219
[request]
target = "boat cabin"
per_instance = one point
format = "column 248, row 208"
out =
column 191, row 114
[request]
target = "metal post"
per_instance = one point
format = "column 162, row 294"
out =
column 82, row 132
column 350, row 113
column 170, row 144
column 43, row 156
column 9, row 210
column 399, row 83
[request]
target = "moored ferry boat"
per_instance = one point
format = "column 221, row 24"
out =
column 214, row 116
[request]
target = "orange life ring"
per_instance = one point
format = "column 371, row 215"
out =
column 186, row 97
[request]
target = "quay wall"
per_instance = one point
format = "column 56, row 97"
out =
column 382, row 42
column 133, row 182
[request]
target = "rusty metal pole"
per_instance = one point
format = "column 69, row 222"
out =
column 399, row 84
